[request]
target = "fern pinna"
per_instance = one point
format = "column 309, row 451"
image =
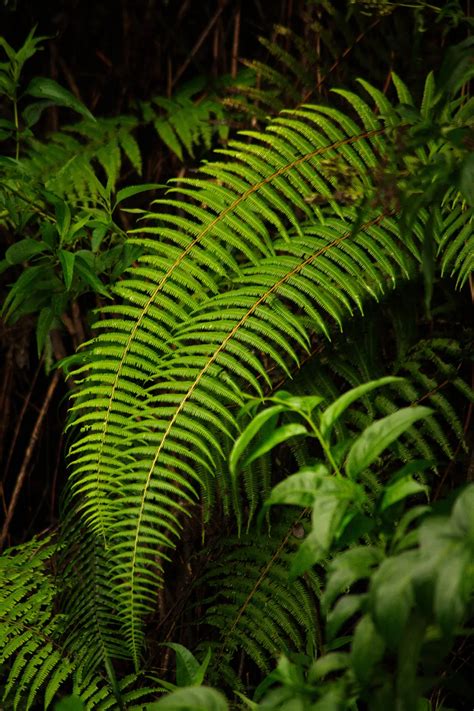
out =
column 242, row 268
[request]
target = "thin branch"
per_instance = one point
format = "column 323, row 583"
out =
column 28, row 455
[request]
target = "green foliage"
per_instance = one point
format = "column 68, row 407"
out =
column 61, row 195
column 230, row 283
column 407, row 610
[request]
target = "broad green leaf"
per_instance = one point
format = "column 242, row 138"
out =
column 298, row 489
column 392, row 595
column 279, row 435
column 328, row 512
column 347, row 568
column 329, row 663
column 367, row 649
column 201, row 673
column 379, row 435
column 10, row 52
column 24, row 286
column 399, row 540
column 246, row 436
column 67, row 260
column 303, row 403
column 7, row 85
column 454, row 587
column 4, row 265
column 193, row 698
column 334, row 699
column 308, row 554
column 43, row 88
column 462, row 518
column 98, row 235
column 32, row 113
column 342, row 611
column 63, row 217
column 335, row 410
column 187, row 666
column 132, row 190
column 23, row 250
column 401, row 489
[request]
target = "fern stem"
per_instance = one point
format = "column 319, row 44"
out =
column 325, row 447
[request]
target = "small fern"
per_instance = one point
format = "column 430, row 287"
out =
column 252, row 606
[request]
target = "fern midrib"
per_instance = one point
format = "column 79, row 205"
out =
column 258, row 582
column 175, row 265
column 195, row 384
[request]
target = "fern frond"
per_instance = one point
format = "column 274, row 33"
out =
column 31, row 645
column 235, row 278
column 252, row 606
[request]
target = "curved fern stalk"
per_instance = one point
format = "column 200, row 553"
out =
column 193, row 255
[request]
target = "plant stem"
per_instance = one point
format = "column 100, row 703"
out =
column 17, row 127
column 324, row 445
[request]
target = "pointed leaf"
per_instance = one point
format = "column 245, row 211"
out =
column 379, row 435
column 89, row 276
column 67, row 260
column 335, row 410
column 399, row 490
column 132, row 190
column 187, row 666
column 24, row 250
column 298, row 489
column 305, row 403
column 452, row 589
column 308, row 554
column 43, row 88
column 392, row 595
column 249, row 433
column 367, row 649
column 281, row 434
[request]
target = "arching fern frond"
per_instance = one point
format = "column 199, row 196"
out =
column 239, row 272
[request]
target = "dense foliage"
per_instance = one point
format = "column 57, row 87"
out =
column 269, row 373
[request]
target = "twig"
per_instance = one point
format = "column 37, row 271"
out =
column 28, row 454
column 20, row 418
column 198, row 44
column 334, row 66
column 235, row 44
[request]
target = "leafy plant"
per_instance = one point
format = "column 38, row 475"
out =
column 238, row 275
